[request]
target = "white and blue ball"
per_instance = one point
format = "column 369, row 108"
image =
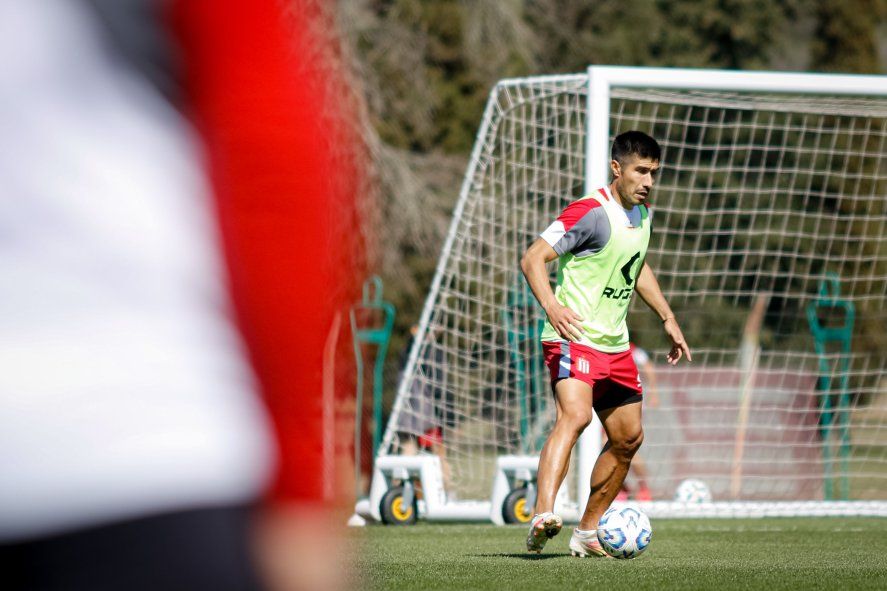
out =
column 624, row 531
column 693, row 491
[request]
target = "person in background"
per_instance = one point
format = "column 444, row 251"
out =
column 421, row 424
column 638, row 467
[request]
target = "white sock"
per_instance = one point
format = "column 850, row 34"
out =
column 583, row 533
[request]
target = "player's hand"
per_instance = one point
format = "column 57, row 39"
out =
column 565, row 321
column 679, row 347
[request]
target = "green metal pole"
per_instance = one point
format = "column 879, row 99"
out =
column 380, row 336
column 378, row 380
column 520, row 376
column 829, row 291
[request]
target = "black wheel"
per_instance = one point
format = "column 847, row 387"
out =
column 514, row 507
column 394, row 512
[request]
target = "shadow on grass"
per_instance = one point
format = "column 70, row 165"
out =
column 523, row 556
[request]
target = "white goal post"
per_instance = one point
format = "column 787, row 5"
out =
column 773, row 190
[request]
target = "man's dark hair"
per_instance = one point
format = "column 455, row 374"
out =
column 634, row 143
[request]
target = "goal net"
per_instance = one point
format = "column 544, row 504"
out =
column 768, row 218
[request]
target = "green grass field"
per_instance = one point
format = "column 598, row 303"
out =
column 772, row 554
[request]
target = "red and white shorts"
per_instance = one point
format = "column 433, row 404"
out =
column 613, row 377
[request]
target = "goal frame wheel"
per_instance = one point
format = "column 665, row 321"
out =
column 392, row 510
column 514, row 505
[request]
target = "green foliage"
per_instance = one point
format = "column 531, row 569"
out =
column 702, row 33
column 430, row 63
column 846, row 38
column 427, row 66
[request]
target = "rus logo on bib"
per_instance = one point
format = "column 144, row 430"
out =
column 617, row 294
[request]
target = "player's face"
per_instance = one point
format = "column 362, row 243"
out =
column 634, row 179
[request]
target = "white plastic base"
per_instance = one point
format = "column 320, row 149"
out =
column 362, row 508
column 513, row 469
column 510, row 469
column 427, row 470
column 356, row 521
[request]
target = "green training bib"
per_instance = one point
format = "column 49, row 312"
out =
column 599, row 286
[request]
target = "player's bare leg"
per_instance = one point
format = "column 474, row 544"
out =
column 573, row 399
column 625, row 434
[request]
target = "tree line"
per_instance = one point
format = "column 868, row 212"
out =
column 425, row 67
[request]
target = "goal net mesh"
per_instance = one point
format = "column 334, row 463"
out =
column 768, row 218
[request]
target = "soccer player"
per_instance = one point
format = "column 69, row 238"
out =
column 601, row 243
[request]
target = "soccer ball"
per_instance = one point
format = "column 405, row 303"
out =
column 692, row 491
column 624, row 532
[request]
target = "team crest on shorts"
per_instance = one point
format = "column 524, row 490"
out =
column 582, row 365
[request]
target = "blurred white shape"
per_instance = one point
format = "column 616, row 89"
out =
column 124, row 388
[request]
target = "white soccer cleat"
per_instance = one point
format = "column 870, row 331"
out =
column 543, row 527
column 585, row 546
